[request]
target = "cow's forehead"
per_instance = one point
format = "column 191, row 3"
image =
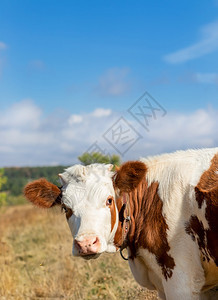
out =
column 80, row 173
column 90, row 184
column 74, row 192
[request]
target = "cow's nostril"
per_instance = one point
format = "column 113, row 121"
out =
column 95, row 241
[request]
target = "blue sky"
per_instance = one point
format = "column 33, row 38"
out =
column 70, row 69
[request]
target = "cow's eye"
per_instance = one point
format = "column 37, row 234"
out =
column 64, row 209
column 68, row 211
column 109, row 201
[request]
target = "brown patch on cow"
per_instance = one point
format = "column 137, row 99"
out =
column 207, row 238
column 42, row 193
column 206, row 192
column 148, row 226
column 195, row 229
column 113, row 211
column 211, row 214
column 209, row 179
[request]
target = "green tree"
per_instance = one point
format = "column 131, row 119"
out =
column 97, row 157
column 3, row 180
column 17, row 178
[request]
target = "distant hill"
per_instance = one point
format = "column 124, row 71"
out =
column 17, row 178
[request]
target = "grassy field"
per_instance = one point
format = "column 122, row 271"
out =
column 36, row 262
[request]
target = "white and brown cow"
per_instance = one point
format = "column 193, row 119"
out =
column 164, row 212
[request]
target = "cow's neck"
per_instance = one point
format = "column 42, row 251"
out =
column 148, row 228
column 146, row 217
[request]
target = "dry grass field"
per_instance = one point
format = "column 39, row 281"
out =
column 36, row 262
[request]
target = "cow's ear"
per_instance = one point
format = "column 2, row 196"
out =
column 42, row 193
column 129, row 175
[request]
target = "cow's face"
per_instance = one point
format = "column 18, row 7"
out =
column 89, row 203
column 88, row 200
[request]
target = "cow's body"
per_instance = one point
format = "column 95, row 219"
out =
column 172, row 235
column 185, row 265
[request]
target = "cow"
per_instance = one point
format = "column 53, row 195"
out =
column 163, row 209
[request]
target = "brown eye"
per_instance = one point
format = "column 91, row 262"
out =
column 109, row 201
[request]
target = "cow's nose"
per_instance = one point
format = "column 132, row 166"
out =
column 87, row 246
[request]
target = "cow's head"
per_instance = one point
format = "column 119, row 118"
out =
column 87, row 197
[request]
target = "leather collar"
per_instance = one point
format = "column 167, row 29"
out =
column 126, row 223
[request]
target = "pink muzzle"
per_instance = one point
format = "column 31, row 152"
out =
column 87, row 246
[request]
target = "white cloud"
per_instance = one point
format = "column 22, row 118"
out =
column 97, row 113
column 207, row 44
column 211, row 78
column 3, row 46
column 182, row 131
column 114, row 82
column 21, row 114
column 28, row 137
column 101, row 112
column 75, row 119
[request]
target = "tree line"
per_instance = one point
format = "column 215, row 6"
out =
column 17, row 178
column 13, row 179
